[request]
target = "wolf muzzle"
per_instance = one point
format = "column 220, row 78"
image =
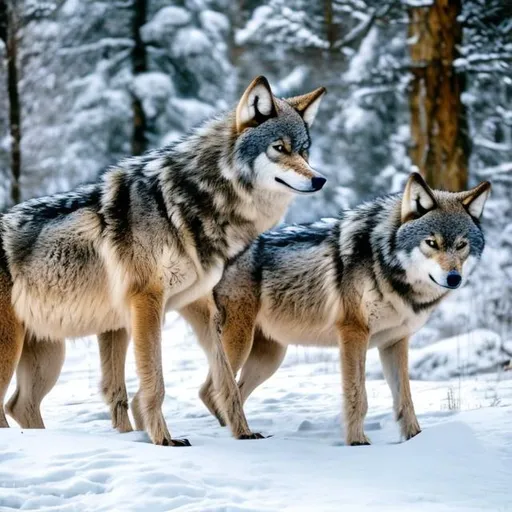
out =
column 318, row 182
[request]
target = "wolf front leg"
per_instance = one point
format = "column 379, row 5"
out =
column 229, row 399
column 147, row 313
column 11, row 340
column 37, row 373
column 113, row 346
column 354, row 339
column 395, row 366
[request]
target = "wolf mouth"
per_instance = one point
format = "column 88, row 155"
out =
column 279, row 180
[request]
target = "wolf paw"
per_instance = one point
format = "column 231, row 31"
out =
column 360, row 440
column 176, row 442
column 412, row 433
column 410, row 428
column 359, row 443
column 251, row 436
column 120, row 419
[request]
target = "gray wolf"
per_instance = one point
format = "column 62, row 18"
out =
column 368, row 279
column 153, row 233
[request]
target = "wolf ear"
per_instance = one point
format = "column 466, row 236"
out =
column 256, row 105
column 474, row 199
column 307, row 104
column 418, row 198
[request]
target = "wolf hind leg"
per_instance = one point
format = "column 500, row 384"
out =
column 233, row 337
column 37, row 373
column 236, row 339
column 207, row 395
column 11, row 340
column 113, row 347
column 395, row 366
column 228, row 395
column 198, row 316
column 237, row 342
column 264, row 359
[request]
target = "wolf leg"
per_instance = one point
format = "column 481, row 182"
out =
column 11, row 340
column 223, row 376
column 394, row 361
column 264, row 359
column 37, row 373
column 113, row 346
column 147, row 313
column 208, row 397
column 354, row 344
column 236, row 337
column 198, row 316
column 236, row 340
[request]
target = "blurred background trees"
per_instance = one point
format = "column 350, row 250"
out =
column 410, row 82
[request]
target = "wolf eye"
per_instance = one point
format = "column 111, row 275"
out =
column 431, row 243
column 461, row 245
column 280, row 148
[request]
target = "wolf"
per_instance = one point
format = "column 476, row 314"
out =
column 154, row 233
column 370, row 278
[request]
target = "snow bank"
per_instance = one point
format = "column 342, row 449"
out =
column 444, row 469
column 458, row 463
column 471, row 353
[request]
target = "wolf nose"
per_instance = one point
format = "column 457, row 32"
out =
column 454, row 278
column 318, row 182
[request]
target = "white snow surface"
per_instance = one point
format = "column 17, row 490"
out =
column 462, row 461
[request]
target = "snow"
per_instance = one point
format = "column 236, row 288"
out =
column 190, row 41
column 155, row 88
column 359, row 63
column 470, row 353
column 164, row 22
column 259, row 17
column 191, row 111
column 418, row 3
column 475, row 352
column 357, row 118
column 278, row 23
column 462, row 461
column 215, row 23
column 292, row 81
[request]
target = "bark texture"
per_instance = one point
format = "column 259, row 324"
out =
column 439, row 129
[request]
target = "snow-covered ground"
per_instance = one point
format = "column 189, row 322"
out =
column 462, row 461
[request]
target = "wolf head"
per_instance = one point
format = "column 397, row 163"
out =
column 273, row 138
column 440, row 240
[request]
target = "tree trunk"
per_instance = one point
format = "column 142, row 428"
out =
column 139, row 60
column 8, row 34
column 439, row 128
column 330, row 31
column 236, row 14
